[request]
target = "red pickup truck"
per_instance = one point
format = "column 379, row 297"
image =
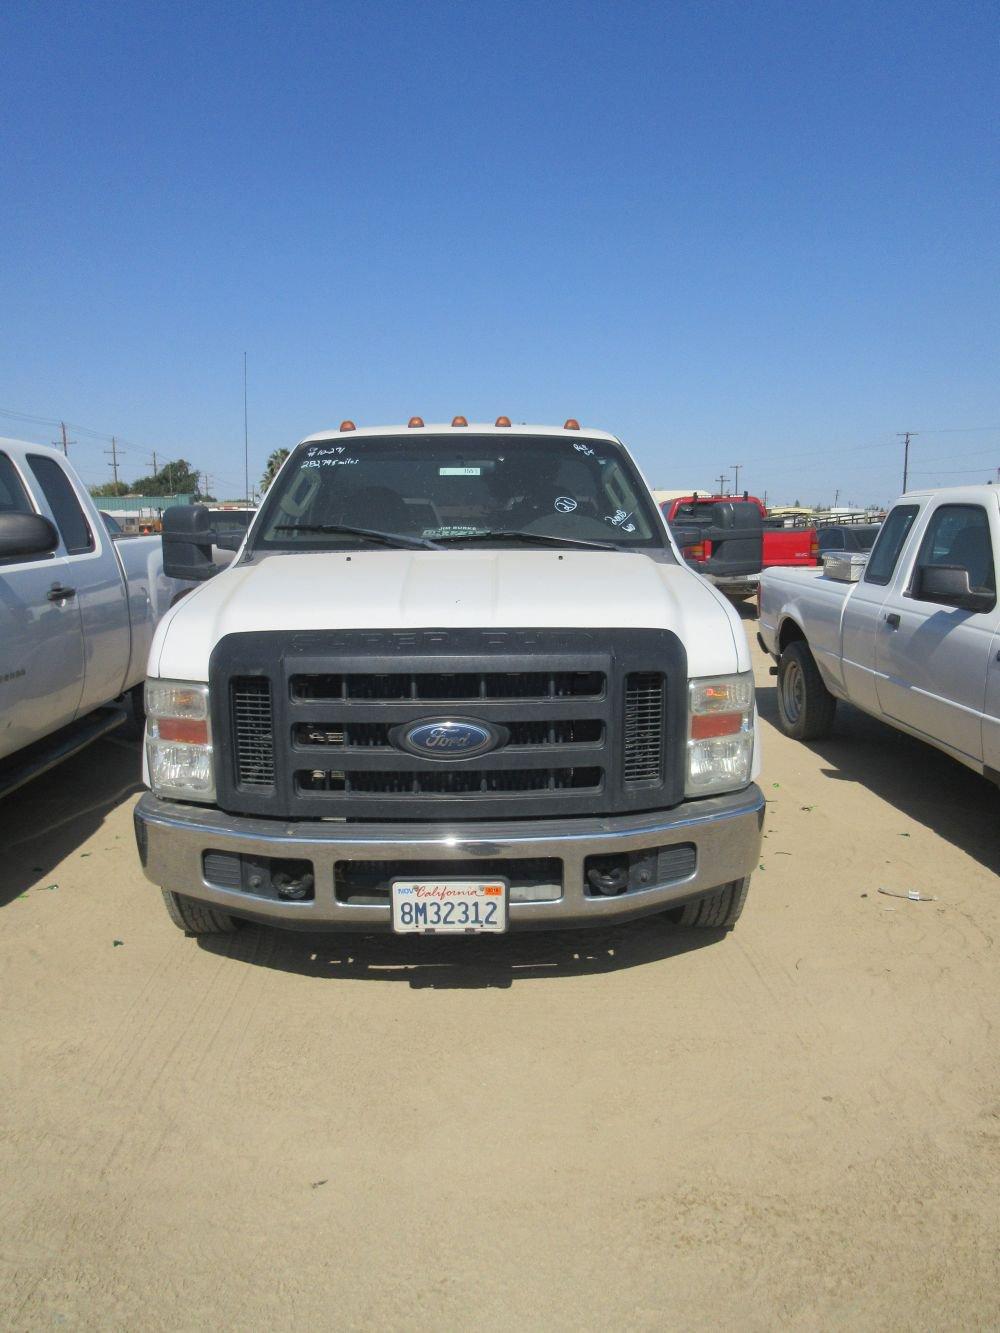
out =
column 729, row 539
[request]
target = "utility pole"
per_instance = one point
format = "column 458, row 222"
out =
column 722, row 483
column 905, row 437
column 65, row 443
column 246, row 451
column 113, row 451
column 736, row 485
column 836, row 497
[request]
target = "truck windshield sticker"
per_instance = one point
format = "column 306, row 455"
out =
column 459, row 471
column 584, row 449
column 565, row 504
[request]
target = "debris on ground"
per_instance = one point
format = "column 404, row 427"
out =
column 914, row 895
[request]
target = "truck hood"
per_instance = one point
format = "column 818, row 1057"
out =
column 461, row 588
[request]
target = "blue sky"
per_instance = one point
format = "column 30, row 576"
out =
column 753, row 233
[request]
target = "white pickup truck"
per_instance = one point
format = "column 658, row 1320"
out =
column 457, row 680
column 77, row 614
column 914, row 641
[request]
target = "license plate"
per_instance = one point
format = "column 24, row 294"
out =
column 449, row 906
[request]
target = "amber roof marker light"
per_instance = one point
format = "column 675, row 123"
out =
column 502, row 421
column 459, row 421
column 414, row 422
column 571, row 424
column 348, row 425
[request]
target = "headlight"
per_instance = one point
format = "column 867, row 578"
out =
column 179, row 740
column 720, row 733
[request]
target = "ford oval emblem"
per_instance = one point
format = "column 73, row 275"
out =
column 447, row 738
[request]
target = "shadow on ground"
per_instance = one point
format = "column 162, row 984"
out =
column 461, row 963
column 48, row 819
column 938, row 792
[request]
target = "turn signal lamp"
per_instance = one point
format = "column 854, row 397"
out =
column 720, row 733
column 459, row 421
column 571, row 424
column 348, row 425
column 414, row 422
column 179, row 740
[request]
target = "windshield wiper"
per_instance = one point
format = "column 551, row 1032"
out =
column 340, row 529
column 541, row 538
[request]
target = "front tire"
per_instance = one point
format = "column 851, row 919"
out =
column 196, row 918
column 718, row 911
column 805, row 706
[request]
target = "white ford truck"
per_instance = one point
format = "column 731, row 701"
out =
column 912, row 635
column 457, row 680
column 77, row 614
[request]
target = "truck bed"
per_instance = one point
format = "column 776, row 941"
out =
column 814, row 603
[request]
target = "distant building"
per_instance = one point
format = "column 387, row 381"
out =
column 136, row 512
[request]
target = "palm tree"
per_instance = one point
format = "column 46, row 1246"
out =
column 274, row 462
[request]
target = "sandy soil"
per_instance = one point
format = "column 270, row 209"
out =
column 797, row 1124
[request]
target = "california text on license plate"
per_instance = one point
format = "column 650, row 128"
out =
column 449, row 906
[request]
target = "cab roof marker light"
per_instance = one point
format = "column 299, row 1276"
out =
column 414, row 422
column 348, row 425
column 571, row 424
column 459, row 421
column 502, row 421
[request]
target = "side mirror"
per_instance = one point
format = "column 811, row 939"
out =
column 949, row 585
column 23, row 536
column 188, row 539
column 686, row 535
column 229, row 541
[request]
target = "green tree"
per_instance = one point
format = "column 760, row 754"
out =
column 176, row 478
column 110, row 488
column 274, row 462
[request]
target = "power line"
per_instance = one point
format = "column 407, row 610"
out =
column 114, row 451
column 905, row 436
column 246, row 446
column 65, row 443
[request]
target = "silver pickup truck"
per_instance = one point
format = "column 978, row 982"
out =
column 912, row 635
column 77, row 614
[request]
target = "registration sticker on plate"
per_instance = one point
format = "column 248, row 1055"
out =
column 449, row 906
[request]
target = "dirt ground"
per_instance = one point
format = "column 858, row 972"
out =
column 797, row 1124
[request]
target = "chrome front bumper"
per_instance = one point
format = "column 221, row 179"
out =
column 725, row 830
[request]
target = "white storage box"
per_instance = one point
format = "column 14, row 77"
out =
column 845, row 566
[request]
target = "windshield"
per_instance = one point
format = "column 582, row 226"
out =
column 449, row 489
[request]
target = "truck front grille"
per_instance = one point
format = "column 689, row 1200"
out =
column 451, row 687
column 644, row 721
column 314, row 725
column 253, row 731
column 461, row 782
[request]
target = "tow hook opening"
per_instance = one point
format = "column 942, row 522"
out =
column 283, row 878
column 608, row 876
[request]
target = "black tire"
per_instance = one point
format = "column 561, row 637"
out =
column 196, row 918
column 718, row 911
column 805, row 706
